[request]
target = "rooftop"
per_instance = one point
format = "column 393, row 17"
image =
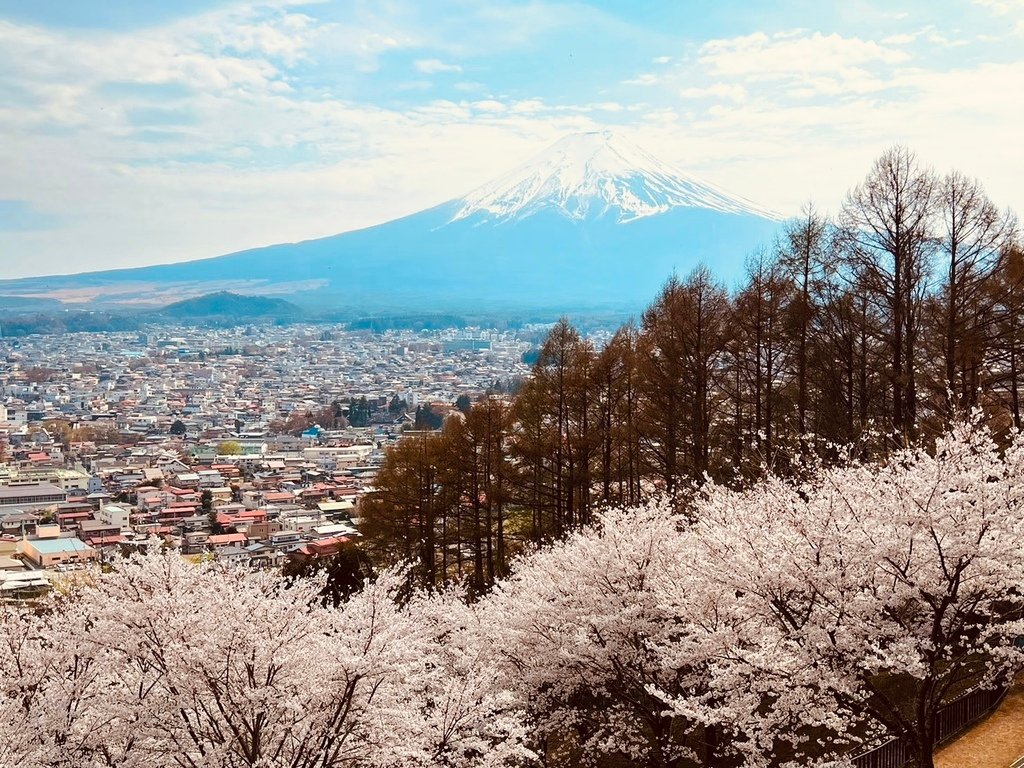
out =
column 57, row 546
column 30, row 489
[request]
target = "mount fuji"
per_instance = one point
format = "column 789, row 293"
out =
column 593, row 221
column 594, row 175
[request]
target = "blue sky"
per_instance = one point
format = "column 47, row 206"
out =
column 136, row 131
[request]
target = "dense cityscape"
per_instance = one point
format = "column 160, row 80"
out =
column 250, row 444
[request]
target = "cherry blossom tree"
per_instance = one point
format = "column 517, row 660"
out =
column 898, row 587
column 584, row 634
column 788, row 623
column 459, row 711
column 785, row 623
column 168, row 663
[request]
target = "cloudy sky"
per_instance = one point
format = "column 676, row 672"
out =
column 143, row 131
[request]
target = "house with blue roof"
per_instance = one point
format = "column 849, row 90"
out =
column 49, row 553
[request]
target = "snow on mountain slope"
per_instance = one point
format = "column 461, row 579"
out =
column 592, row 222
column 595, row 174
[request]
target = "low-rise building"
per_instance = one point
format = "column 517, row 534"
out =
column 222, row 540
column 48, row 553
column 31, row 496
column 114, row 516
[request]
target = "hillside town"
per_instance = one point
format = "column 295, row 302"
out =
column 252, row 445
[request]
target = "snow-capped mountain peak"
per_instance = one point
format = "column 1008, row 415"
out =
column 595, row 174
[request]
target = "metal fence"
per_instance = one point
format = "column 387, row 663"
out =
column 894, row 753
column 965, row 710
column 950, row 719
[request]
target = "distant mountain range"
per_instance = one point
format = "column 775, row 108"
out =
column 592, row 222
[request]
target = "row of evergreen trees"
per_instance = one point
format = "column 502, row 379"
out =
column 876, row 327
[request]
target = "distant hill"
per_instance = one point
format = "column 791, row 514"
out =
column 28, row 304
column 230, row 306
column 65, row 321
column 411, row 322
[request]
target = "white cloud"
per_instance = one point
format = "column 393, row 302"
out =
column 527, row 106
column 1006, row 8
column 804, row 64
column 730, row 91
column 785, row 55
column 286, row 41
column 782, row 150
column 661, row 117
column 435, row 66
column 260, row 158
column 648, row 78
column 1001, row 7
column 489, row 105
column 899, row 39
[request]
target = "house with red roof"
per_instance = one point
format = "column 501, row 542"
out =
column 220, row 540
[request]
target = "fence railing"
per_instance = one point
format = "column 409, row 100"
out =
column 966, row 709
column 894, row 753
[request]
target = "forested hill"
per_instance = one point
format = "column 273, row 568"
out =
column 225, row 304
column 27, row 304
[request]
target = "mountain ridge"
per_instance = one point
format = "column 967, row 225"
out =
column 591, row 221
